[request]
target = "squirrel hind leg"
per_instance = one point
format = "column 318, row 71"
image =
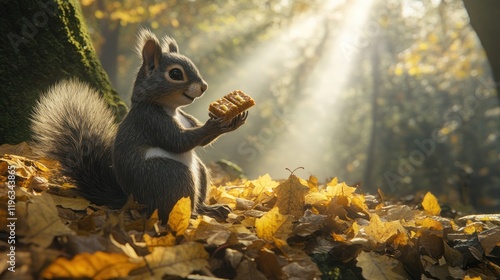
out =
column 158, row 183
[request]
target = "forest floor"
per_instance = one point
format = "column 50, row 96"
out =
column 288, row 229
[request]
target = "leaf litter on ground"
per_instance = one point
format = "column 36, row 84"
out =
column 289, row 229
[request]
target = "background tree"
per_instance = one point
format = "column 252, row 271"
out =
column 484, row 18
column 43, row 42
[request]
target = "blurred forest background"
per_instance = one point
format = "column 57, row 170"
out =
column 395, row 94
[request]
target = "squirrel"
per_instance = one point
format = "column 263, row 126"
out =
column 150, row 154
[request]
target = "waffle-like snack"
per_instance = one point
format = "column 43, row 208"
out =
column 231, row 105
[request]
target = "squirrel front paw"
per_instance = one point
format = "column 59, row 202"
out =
column 223, row 126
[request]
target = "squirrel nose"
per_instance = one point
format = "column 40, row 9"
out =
column 204, row 87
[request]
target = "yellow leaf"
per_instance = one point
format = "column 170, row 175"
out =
column 340, row 189
column 290, row 196
column 381, row 231
column 315, row 199
column 333, row 182
column 263, row 183
column 178, row 219
column 471, row 227
column 430, row 204
column 178, row 260
column 99, row 265
column 162, row 241
column 430, row 223
column 338, row 237
column 274, row 225
column 375, row 266
column 313, row 183
column 467, row 277
column 358, row 201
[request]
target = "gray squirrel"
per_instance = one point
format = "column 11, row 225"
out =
column 150, row 154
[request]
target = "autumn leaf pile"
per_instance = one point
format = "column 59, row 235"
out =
column 290, row 229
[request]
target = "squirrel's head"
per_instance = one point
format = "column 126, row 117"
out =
column 165, row 77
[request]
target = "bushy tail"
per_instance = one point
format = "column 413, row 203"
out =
column 73, row 125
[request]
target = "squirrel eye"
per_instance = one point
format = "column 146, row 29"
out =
column 176, row 74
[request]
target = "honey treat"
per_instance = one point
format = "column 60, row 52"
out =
column 223, row 108
column 231, row 105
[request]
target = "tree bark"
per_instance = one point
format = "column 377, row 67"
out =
column 485, row 19
column 42, row 42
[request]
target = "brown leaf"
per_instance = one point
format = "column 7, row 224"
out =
column 233, row 257
column 490, row 239
column 211, row 232
column 178, row 260
column 74, row 203
column 248, row 270
column 43, row 221
column 309, row 223
column 306, row 270
column 376, row 267
column 267, row 263
column 431, row 244
column 99, row 265
column 291, row 196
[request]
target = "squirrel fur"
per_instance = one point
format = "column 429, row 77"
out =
column 150, row 154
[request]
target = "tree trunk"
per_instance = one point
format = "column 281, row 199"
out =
column 485, row 19
column 43, row 42
column 376, row 82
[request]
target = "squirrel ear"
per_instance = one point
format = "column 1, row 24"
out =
column 169, row 43
column 150, row 50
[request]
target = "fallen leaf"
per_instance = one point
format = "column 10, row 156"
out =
column 290, row 196
column 162, row 241
column 376, row 267
column 212, row 232
column 267, row 263
column 99, row 265
column 381, row 231
column 178, row 260
column 178, row 219
column 313, row 183
column 429, row 223
column 430, row 204
column 43, row 221
column 339, row 189
column 233, row 257
column 490, row 239
column 248, row 270
column 304, row 271
column 309, row 223
column 274, row 225
column 74, row 203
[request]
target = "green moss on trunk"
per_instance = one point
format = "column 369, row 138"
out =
column 42, row 42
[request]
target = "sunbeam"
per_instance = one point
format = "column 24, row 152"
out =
column 296, row 79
